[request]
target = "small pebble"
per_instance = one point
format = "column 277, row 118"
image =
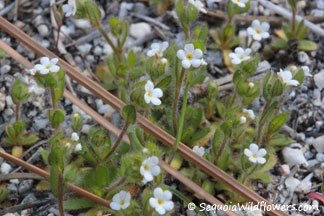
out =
column 5, row 168
column 25, row 186
column 285, row 170
column 140, row 30
column 5, row 69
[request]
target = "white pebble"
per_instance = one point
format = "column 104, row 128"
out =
column 2, row 101
column 5, row 69
column 291, row 183
column 294, row 156
column 97, row 51
column 5, row 168
column 318, row 144
column 319, row 79
column 85, row 48
column 140, row 30
column 285, row 170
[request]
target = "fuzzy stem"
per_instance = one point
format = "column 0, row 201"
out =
column 293, row 20
column 60, row 195
column 53, row 98
column 58, row 35
column 17, row 111
column 118, row 141
column 104, row 34
column 181, row 122
column 175, row 102
column 249, row 173
column 261, row 124
column 251, row 43
column 116, row 185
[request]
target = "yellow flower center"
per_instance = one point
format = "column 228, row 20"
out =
column 238, row 0
column 254, row 156
column 258, row 31
column 146, row 167
column 189, row 56
column 47, row 67
column 122, row 202
column 241, row 57
column 149, row 94
column 160, row 202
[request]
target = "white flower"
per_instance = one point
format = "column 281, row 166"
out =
column 240, row 3
column 157, row 49
column 75, row 136
column 5, row 168
column 161, row 201
column 145, row 150
column 251, row 84
column 70, row 8
column 150, row 168
column 190, row 56
column 286, row 78
column 199, row 150
column 255, row 154
column 120, row 200
column 240, row 55
column 243, row 120
column 78, row 147
column 199, row 5
column 152, row 94
column 259, row 30
column 68, row 145
column 46, row 65
column 250, row 113
column 306, row 71
column 164, row 61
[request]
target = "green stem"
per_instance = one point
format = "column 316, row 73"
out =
column 118, row 141
column 176, row 99
column 261, row 124
column 53, row 98
column 293, row 20
column 60, row 195
column 251, row 43
column 104, row 34
column 246, row 177
column 181, row 122
column 17, row 111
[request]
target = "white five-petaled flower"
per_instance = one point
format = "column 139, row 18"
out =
column 120, row 200
column 240, row 3
column 240, row 55
column 70, row 8
column 157, row 49
column 46, row 65
column 199, row 5
column 161, row 201
column 242, row 119
column 190, row 56
column 255, row 154
column 306, row 71
column 286, row 78
column 78, row 147
column 259, row 30
column 251, row 84
column 75, row 136
column 199, row 150
column 150, row 168
column 250, row 113
column 152, row 94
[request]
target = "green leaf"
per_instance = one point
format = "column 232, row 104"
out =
column 59, row 88
column 226, row 127
column 277, row 89
column 192, row 12
column 93, row 12
column 307, row 45
column 19, row 92
column 271, row 162
column 131, row 59
column 164, row 82
column 129, row 113
column 217, row 140
column 101, row 175
column 265, row 177
column 55, row 158
column 228, row 31
column 197, row 117
column 30, row 139
column 78, row 203
column 208, row 186
column 2, row 53
column 280, row 44
column 279, row 140
column 220, row 108
column 116, row 26
column 54, row 180
column 57, row 118
column 299, row 76
column 3, row 193
column 200, row 134
column 278, row 122
column 268, row 113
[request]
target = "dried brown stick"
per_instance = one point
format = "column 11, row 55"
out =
column 9, row 176
column 149, row 127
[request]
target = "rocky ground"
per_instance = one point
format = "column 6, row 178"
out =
column 291, row 182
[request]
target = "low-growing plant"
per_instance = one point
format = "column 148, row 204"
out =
column 225, row 131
